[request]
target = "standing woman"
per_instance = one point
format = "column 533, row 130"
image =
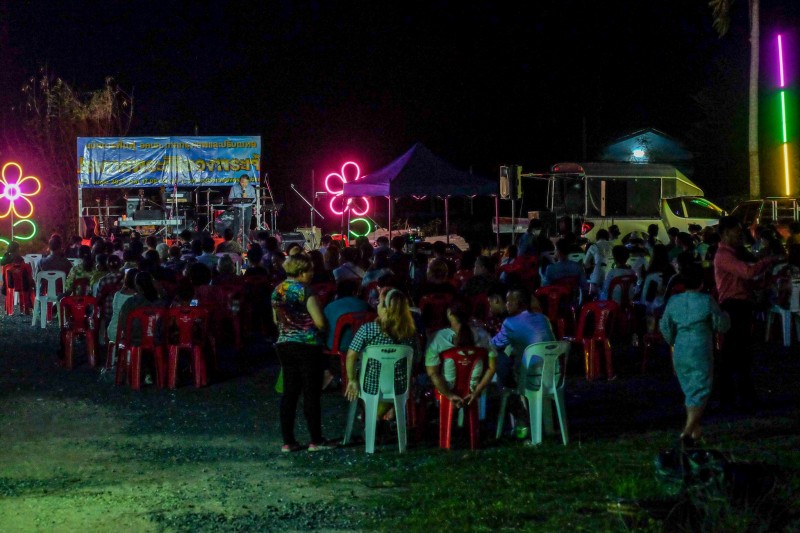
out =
column 300, row 321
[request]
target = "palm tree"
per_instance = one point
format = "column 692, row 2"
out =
column 722, row 18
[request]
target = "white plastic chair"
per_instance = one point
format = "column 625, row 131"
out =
column 33, row 261
column 385, row 375
column 42, row 301
column 236, row 258
column 787, row 318
column 75, row 261
column 578, row 257
column 542, row 375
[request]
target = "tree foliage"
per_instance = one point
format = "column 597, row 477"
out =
column 721, row 10
column 53, row 114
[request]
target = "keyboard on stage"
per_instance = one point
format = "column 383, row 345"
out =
column 157, row 222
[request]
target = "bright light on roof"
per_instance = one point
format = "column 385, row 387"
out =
column 638, row 153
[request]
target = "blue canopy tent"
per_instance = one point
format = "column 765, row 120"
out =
column 419, row 172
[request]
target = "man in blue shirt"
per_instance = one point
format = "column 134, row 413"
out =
column 243, row 189
column 563, row 267
column 519, row 330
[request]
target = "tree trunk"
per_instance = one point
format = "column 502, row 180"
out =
column 752, row 128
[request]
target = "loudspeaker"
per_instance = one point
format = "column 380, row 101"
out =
column 511, row 182
column 131, row 206
column 290, row 237
column 505, row 185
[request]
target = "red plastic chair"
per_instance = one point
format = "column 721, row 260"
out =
column 18, row 281
column 256, row 311
column 183, row 323
column 231, row 296
column 366, row 291
column 480, row 308
column 80, row 286
column 465, row 359
column 434, row 310
column 625, row 285
column 557, row 299
column 351, row 321
column 79, row 315
column 151, row 321
column 324, row 292
column 573, row 283
column 461, row 277
column 603, row 314
column 528, row 270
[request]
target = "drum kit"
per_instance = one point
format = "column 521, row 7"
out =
column 216, row 214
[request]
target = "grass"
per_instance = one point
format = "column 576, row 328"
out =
column 605, row 485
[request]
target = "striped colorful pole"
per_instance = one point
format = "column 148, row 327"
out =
column 787, row 182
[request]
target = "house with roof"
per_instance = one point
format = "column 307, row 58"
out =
column 649, row 146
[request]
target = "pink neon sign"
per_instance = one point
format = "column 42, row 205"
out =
column 334, row 184
column 11, row 188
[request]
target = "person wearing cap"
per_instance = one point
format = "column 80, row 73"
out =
column 733, row 274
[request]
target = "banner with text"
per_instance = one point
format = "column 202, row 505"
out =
column 166, row 161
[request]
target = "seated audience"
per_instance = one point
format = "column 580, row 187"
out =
column 459, row 334
column 345, row 302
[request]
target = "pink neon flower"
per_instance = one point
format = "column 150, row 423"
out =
column 14, row 190
column 334, row 183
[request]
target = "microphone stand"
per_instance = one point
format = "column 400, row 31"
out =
column 311, row 214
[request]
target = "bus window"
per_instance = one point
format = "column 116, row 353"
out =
column 701, row 208
column 766, row 216
column 676, row 206
column 643, row 197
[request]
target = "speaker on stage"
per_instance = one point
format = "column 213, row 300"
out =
column 291, row 237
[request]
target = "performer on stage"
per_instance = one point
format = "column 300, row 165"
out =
column 243, row 190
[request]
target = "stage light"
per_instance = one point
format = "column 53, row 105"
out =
column 13, row 193
column 334, row 184
column 368, row 230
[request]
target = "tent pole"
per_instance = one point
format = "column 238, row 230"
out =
column 390, row 217
column 497, row 219
column 446, row 222
column 80, row 207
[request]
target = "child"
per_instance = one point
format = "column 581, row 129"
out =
column 689, row 323
column 620, row 268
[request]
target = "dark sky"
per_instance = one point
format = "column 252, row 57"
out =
column 480, row 83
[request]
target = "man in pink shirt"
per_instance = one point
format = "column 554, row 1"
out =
column 735, row 364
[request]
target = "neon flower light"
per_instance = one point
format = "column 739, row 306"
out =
column 32, row 226
column 783, row 119
column 367, row 230
column 14, row 192
column 334, row 183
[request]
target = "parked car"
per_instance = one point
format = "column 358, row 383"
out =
column 779, row 211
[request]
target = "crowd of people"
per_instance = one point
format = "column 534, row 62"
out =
column 711, row 284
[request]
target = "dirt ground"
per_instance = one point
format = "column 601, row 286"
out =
column 80, row 454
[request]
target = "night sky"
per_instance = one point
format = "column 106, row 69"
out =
column 480, row 83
